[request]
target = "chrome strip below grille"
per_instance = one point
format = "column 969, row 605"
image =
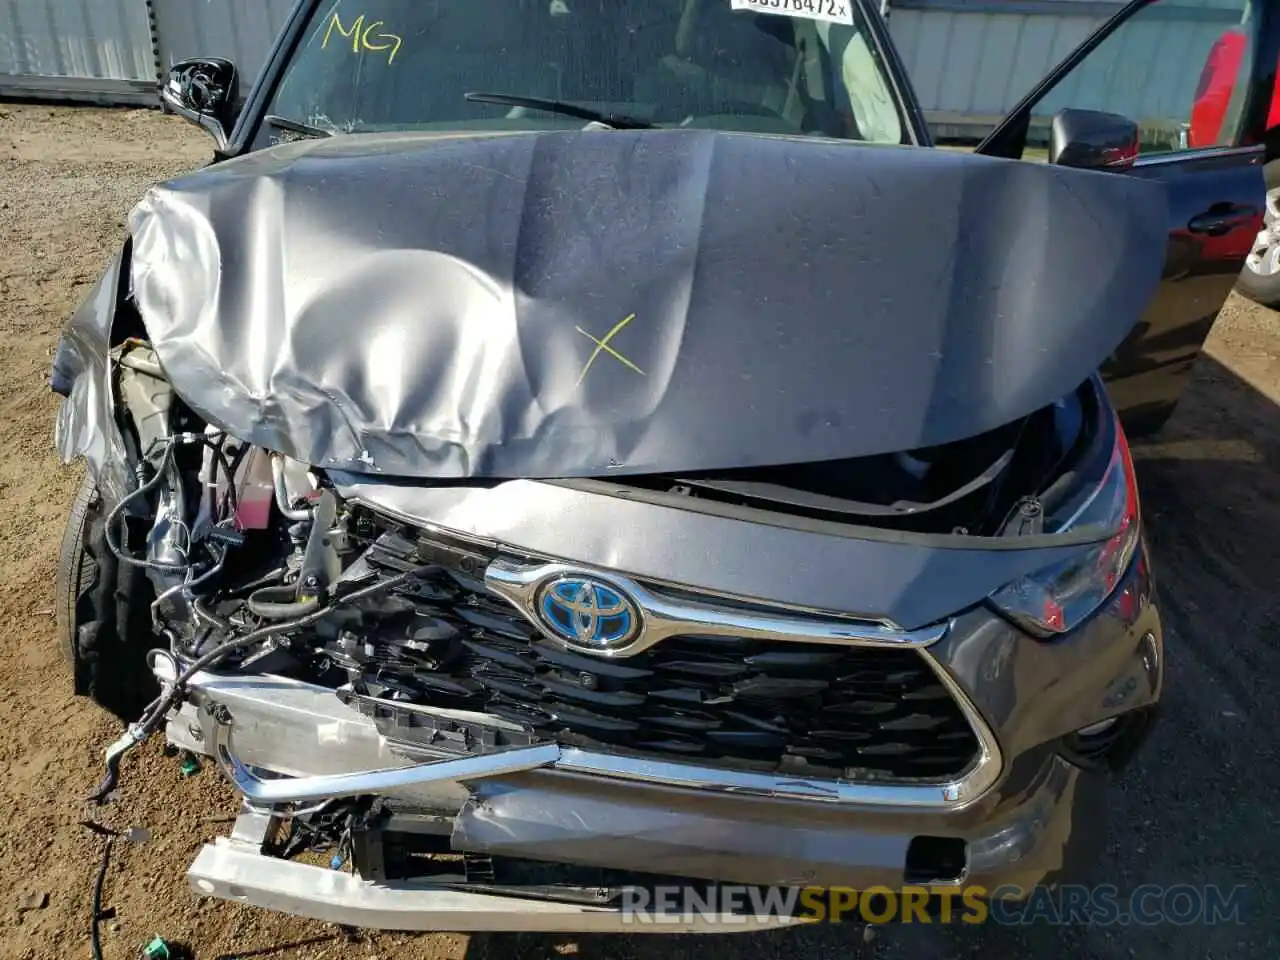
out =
column 278, row 722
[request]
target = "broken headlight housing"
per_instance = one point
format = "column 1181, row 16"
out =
column 1058, row 598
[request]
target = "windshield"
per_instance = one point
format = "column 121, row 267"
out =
column 389, row 65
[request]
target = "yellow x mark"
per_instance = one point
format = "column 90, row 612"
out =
column 602, row 346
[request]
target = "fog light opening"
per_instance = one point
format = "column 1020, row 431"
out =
column 1094, row 729
column 1108, row 744
column 936, row 860
column 1090, row 745
column 1150, row 652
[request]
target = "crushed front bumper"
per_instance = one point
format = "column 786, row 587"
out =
column 520, row 805
column 1038, row 818
column 749, row 841
column 234, row 870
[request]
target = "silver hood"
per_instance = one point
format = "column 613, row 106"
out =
column 573, row 304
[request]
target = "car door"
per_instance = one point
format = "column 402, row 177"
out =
column 1146, row 63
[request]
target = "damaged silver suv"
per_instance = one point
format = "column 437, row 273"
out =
column 577, row 447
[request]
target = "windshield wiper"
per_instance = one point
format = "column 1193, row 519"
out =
column 296, row 126
column 616, row 120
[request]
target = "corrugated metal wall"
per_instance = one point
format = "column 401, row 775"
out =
column 96, row 50
column 240, row 30
column 971, row 65
column 972, row 60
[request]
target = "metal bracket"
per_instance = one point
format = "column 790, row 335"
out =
column 252, row 829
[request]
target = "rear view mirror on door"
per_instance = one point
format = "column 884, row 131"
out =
column 1093, row 139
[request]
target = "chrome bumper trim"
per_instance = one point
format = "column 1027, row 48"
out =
column 224, row 870
column 289, row 722
column 664, row 616
column 262, row 792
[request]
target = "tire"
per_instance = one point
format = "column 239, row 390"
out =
column 76, row 567
column 1260, row 278
column 102, row 613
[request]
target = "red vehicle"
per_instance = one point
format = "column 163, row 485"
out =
column 1216, row 99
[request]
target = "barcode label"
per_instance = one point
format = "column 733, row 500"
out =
column 833, row 11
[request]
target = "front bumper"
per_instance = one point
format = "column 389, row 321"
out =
column 1038, row 819
column 238, row 873
column 739, row 840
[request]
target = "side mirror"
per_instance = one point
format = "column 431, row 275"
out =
column 1093, row 140
column 203, row 91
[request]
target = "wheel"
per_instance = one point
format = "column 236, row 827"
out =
column 1260, row 278
column 102, row 613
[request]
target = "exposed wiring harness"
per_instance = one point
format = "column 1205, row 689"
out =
column 230, row 504
column 95, row 933
column 330, row 825
column 224, row 515
column 97, row 914
column 266, row 600
column 188, row 584
column 150, row 484
column 144, row 489
column 155, row 714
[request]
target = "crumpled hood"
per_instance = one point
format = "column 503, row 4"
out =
column 580, row 303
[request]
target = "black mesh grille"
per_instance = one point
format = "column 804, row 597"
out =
column 815, row 709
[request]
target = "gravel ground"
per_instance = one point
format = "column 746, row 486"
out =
column 1199, row 808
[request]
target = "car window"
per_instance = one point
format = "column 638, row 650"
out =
column 1178, row 68
column 379, row 65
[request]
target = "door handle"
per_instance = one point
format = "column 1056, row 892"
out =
column 1221, row 219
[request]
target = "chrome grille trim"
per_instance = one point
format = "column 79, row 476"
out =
column 667, row 616
column 664, row 616
column 273, row 719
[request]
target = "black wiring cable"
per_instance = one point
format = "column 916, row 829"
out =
column 220, row 459
column 264, row 580
column 99, row 882
column 263, row 633
column 150, row 485
column 155, row 714
column 209, row 617
column 242, row 452
column 114, row 516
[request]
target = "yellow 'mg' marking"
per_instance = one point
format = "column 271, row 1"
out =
column 602, row 346
column 360, row 36
column 393, row 45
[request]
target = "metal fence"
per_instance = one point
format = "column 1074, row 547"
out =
column 240, row 30
column 113, row 51
column 970, row 60
column 95, row 50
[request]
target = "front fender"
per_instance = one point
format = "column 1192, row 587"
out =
column 86, row 425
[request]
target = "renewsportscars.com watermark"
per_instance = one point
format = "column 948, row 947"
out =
column 1101, row 905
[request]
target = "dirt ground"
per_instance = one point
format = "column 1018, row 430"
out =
column 1200, row 807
